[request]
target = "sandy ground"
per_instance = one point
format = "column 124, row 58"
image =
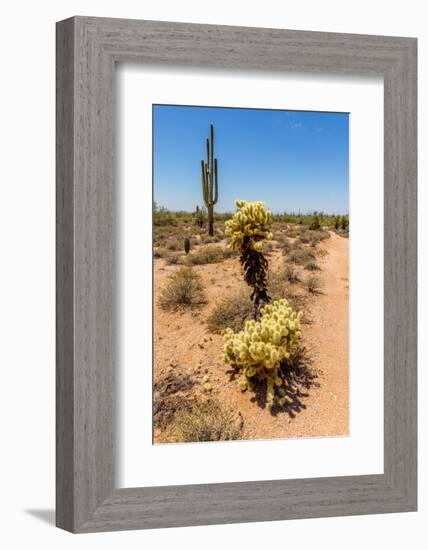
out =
column 183, row 343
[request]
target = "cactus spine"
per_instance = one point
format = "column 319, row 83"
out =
column 210, row 181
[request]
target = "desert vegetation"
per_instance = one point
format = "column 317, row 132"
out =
column 238, row 315
column 250, row 333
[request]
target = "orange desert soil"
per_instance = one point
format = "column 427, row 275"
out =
column 182, row 342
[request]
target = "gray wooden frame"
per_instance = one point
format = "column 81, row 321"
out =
column 87, row 50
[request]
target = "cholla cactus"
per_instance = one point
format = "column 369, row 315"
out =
column 257, row 351
column 252, row 221
column 247, row 230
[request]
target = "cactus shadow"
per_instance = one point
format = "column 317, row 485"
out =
column 299, row 377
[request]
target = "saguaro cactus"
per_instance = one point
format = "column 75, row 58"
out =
column 210, row 181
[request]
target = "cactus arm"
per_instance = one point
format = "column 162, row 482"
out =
column 204, row 183
column 216, row 182
column 207, row 172
column 212, row 148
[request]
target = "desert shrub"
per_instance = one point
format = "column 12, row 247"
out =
column 322, row 252
column 313, row 284
column 207, row 239
column 291, row 274
column 285, row 245
column 257, row 351
column 315, row 223
column 200, row 216
column 227, row 253
column 205, row 421
column 206, row 255
column 169, row 394
column 292, row 232
column 173, row 259
column 231, row 312
column 277, row 285
column 318, row 236
column 173, row 244
column 160, row 252
column 162, row 216
column 301, row 256
column 184, row 288
column 297, row 244
column 269, row 247
column 279, row 288
column 312, row 266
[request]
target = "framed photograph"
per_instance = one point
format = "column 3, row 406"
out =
column 236, row 274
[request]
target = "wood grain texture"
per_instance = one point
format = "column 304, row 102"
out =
column 87, row 49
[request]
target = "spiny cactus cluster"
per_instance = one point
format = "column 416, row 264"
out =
column 252, row 221
column 247, row 230
column 257, row 351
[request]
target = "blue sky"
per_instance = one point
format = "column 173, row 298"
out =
column 291, row 160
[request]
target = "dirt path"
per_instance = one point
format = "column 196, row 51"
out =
column 183, row 343
column 327, row 338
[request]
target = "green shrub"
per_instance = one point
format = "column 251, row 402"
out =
column 285, row 245
column 184, row 288
column 279, row 288
column 200, row 216
column 291, row 274
column 160, row 252
column 301, row 256
column 318, row 236
column 312, row 266
column 315, row 223
column 257, row 351
column 227, row 253
column 231, row 312
column 297, row 244
column 313, row 284
column 173, row 259
column 206, row 255
column 173, row 244
column 205, row 421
